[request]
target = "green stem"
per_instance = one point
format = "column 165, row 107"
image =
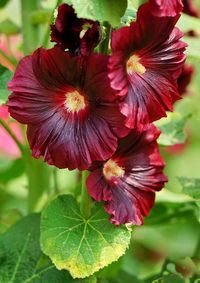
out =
column 38, row 174
column 104, row 46
column 12, row 135
column 30, row 31
column 55, row 178
column 86, row 201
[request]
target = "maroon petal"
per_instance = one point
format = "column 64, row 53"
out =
column 72, row 113
column 27, row 91
column 185, row 78
column 79, row 36
column 67, row 145
column 146, row 62
column 166, row 8
column 128, row 181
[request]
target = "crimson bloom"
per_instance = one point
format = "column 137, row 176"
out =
column 70, row 109
column 79, row 36
column 166, row 8
column 145, row 63
column 128, row 181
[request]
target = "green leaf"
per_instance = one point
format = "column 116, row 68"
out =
column 101, row 10
column 11, row 170
column 79, row 245
column 21, row 259
column 5, row 77
column 40, row 16
column 3, row 3
column 171, row 278
column 190, row 187
column 172, row 129
column 128, row 17
column 9, row 28
column 8, row 218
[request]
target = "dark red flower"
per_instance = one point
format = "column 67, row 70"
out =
column 146, row 60
column 189, row 9
column 70, row 109
column 79, row 36
column 185, row 78
column 128, row 181
column 166, row 8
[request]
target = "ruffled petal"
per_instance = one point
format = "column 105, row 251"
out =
column 166, row 8
column 149, row 88
column 129, row 194
column 79, row 36
column 72, row 112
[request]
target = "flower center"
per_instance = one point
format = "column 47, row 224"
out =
column 133, row 65
column 75, row 101
column 112, row 169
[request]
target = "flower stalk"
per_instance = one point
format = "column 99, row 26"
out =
column 104, row 46
column 86, row 201
column 30, row 31
column 38, row 174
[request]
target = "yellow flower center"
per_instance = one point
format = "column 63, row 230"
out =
column 75, row 101
column 133, row 65
column 112, row 169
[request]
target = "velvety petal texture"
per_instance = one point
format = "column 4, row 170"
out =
column 79, row 36
column 71, row 111
column 166, row 8
column 128, row 181
column 143, row 68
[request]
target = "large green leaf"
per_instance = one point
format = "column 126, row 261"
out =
column 5, row 77
column 21, row 259
column 172, row 129
column 101, row 10
column 190, row 187
column 79, row 245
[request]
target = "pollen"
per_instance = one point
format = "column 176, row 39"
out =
column 112, row 169
column 75, row 101
column 133, row 65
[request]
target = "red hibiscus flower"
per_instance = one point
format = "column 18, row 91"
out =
column 70, row 109
column 185, row 78
column 128, row 181
column 79, row 36
column 166, row 8
column 146, row 60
